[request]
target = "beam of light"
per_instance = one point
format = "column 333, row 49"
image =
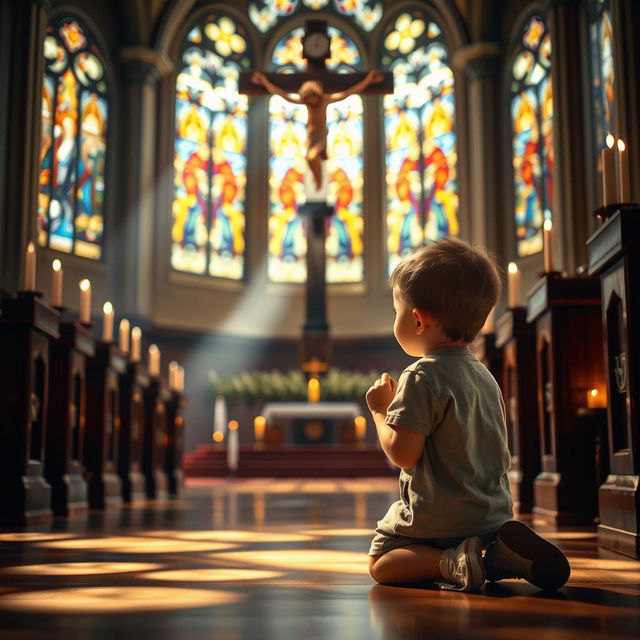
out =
column 79, row 568
column 130, row 544
column 32, row 536
column 233, row 536
column 325, row 560
column 212, row 575
column 114, row 599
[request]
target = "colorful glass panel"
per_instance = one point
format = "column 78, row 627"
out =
column 419, row 125
column 602, row 80
column 208, row 228
column 266, row 13
column 287, row 134
column 532, row 122
column 73, row 143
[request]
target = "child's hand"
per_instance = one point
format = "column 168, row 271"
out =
column 381, row 394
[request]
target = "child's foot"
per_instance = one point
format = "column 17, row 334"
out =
column 462, row 566
column 518, row 552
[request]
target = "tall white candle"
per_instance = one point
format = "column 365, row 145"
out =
column 233, row 446
column 608, row 172
column 624, row 187
column 136, row 335
column 513, row 285
column 154, row 360
column 220, row 414
column 56, row 283
column 85, row 301
column 124, row 335
column 180, row 385
column 173, row 375
column 547, row 231
column 30, row 268
column 107, row 322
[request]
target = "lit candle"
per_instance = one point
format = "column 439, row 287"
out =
column 220, row 414
column 608, row 172
column 107, row 322
column 180, row 379
column 30, row 268
column 85, row 301
column 259, row 428
column 313, row 390
column 154, row 360
column 136, row 336
column 233, row 448
column 360, row 424
column 596, row 399
column 56, row 283
column 124, row 335
column 218, row 436
column 173, row 375
column 547, row 231
column 624, row 187
column 513, row 285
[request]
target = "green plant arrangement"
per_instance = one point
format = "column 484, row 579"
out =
column 249, row 386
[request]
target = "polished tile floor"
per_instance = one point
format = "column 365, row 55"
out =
column 262, row 559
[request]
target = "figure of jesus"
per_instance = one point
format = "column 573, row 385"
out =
column 312, row 95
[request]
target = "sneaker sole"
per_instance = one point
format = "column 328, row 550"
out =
column 543, row 564
column 475, row 567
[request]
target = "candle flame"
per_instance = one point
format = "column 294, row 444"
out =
column 124, row 324
column 548, row 225
column 593, row 392
column 259, row 421
column 136, row 333
column 360, row 421
column 56, row 265
column 610, row 140
column 85, row 285
column 31, row 248
column 154, row 348
column 513, row 267
column 107, row 308
column 621, row 145
column 233, row 425
column 218, row 436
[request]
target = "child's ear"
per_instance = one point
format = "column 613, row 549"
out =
column 422, row 320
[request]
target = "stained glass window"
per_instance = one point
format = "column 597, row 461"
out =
column 266, row 13
column 208, row 231
column 602, row 79
column 532, row 122
column 73, row 143
column 287, row 135
column 419, row 124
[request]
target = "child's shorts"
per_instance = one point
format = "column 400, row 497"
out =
column 384, row 542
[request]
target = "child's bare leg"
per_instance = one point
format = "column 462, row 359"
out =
column 407, row 565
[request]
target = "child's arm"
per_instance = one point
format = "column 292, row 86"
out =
column 402, row 446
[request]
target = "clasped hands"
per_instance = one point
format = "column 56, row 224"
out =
column 381, row 393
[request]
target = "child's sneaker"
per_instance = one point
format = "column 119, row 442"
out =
column 518, row 552
column 462, row 566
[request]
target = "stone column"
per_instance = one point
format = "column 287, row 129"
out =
column 134, row 235
column 480, row 64
column 23, row 29
column 571, row 165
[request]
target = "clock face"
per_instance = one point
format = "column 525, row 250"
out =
column 316, row 45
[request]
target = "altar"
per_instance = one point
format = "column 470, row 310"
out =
column 313, row 422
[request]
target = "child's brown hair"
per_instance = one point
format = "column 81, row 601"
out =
column 455, row 281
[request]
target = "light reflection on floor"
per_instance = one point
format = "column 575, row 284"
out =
column 131, row 544
column 212, row 575
column 79, row 568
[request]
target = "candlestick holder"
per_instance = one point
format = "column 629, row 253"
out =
column 603, row 213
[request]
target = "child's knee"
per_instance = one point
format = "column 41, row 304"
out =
column 377, row 570
column 373, row 571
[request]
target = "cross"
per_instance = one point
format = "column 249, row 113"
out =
column 316, row 88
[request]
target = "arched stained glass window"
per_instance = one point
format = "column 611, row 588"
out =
column 73, row 143
column 208, row 230
column 287, row 135
column 602, row 78
column 419, row 124
column 532, row 122
column 265, row 13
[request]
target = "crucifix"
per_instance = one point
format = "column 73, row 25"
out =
column 316, row 88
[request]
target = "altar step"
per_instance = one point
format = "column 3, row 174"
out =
column 281, row 461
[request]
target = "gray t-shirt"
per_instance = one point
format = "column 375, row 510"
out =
column 459, row 487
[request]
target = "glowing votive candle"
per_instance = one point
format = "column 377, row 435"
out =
column 30, row 268
column 313, row 390
column 107, row 322
column 56, row 283
column 123, row 342
column 513, row 285
column 608, row 159
column 85, row 301
column 360, row 424
column 259, row 428
column 136, row 336
column 154, row 360
column 596, row 399
column 624, row 191
column 547, row 230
